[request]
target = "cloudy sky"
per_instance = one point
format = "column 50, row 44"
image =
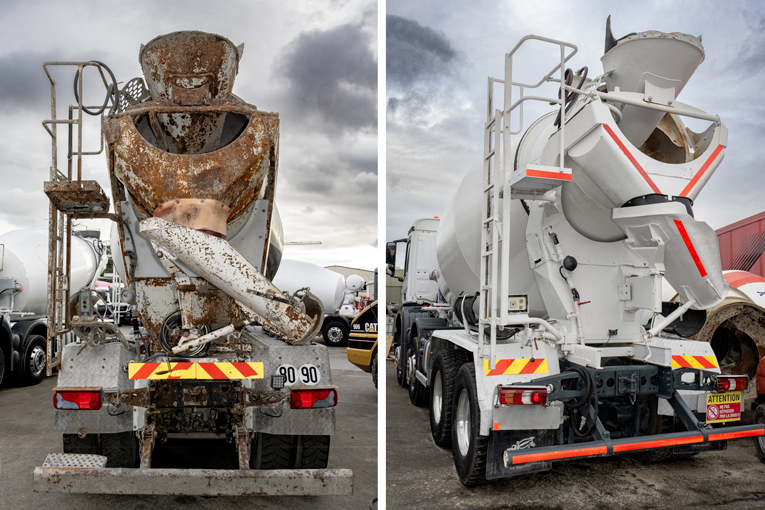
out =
column 313, row 62
column 440, row 53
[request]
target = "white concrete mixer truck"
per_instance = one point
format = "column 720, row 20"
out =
column 23, row 296
column 193, row 172
column 532, row 321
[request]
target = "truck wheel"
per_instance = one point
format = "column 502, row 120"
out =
column 33, row 360
column 445, row 369
column 374, row 370
column 87, row 445
column 2, row 365
column 418, row 394
column 314, row 452
column 120, row 449
column 270, row 451
column 759, row 442
column 400, row 361
column 335, row 334
column 468, row 446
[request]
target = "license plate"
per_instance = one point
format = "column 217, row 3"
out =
column 723, row 407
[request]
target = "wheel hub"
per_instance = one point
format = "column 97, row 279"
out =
column 462, row 421
column 437, row 398
column 335, row 334
column 37, row 360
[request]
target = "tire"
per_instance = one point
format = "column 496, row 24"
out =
column 444, row 375
column 270, row 451
column 335, row 334
column 659, row 424
column 88, row 445
column 374, row 370
column 418, row 394
column 314, row 452
column 33, row 361
column 120, row 449
column 2, row 365
column 759, row 442
column 400, row 360
column 468, row 447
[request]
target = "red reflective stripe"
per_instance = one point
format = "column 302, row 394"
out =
column 549, row 175
column 213, row 371
column 584, row 303
column 701, row 171
column 701, row 360
column 183, row 365
column 658, row 443
column 245, row 369
column 500, row 366
column 531, row 366
column 632, row 159
column 561, row 454
column 145, row 371
column 680, row 360
column 691, row 249
column 722, row 436
column 739, row 279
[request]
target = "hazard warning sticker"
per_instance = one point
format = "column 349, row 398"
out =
column 723, row 407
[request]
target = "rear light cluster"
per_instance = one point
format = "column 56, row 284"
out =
column 523, row 395
column 82, row 400
column 732, row 382
column 313, row 399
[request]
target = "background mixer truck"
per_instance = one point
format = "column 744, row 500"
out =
column 532, row 319
column 193, row 173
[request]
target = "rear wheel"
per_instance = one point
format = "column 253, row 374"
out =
column 374, row 370
column 34, row 357
column 418, row 394
column 399, row 359
column 759, row 442
column 120, row 449
column 2, row 365
column 88, row 445
column 445, row 369
column 272, row 451
column 314, row 452
column 335, row 334
column 469, row 448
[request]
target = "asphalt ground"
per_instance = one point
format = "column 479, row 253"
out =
column 26, row 437
column 422, row 476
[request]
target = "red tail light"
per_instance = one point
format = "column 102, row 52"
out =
column 523, row 396
column 313, row 399
column 90, row 400
column 732, row 382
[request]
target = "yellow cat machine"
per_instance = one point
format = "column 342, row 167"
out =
column 362, row 340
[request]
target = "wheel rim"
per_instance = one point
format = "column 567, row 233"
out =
column 410, row 369
column 37, row 359
column 463, row 423
column 437, row 398
column 335, row 334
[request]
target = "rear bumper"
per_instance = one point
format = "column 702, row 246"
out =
column 195, row 482
column 514, row 459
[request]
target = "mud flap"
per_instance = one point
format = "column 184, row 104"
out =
column 518, row 440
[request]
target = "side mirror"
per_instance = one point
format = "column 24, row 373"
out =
column 390, row 254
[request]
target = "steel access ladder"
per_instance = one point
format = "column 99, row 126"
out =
column 493, row 309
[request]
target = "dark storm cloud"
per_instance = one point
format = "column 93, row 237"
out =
column 415, row 51
column 23, row 84
column 333, row 74
column 358, row 164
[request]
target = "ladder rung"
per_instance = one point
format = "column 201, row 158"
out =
column 489, row 187
column 489, row 219
column 489, row 155
column 487, row 253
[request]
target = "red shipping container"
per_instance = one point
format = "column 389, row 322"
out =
column 742, row 245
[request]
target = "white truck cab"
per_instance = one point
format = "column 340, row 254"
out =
column 419, row 262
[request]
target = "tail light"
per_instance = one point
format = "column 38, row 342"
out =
column 732, row 382
column 82, row 400
column 526, row 395
column 313, row 399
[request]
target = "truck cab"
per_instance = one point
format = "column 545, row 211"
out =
column 419, row 261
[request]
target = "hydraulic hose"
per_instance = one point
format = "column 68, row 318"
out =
column 111, row 90
column 578, row 408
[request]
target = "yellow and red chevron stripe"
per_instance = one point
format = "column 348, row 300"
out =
column 516, row 367
column 200, row 370
column 702, row 362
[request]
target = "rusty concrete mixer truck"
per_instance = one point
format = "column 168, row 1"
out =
column 532, row 321
column 193, row 172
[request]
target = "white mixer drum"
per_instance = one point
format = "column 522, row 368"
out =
column 26, row 259
column 326, row 285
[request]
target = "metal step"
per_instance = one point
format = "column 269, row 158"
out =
column 74, row 460
column 81, row 198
